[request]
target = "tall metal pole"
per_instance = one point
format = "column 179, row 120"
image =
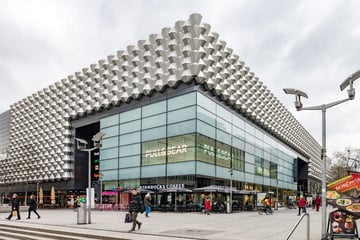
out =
column 230, row 205
column 101, row 193
column 89, row 187
column 277, row 195
column 26, row 190
column 323, row 174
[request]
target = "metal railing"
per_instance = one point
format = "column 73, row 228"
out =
column 297, row 224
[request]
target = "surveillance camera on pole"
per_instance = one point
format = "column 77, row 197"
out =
column 298, row 94
column 81, row 145
column 349, row 82
column 97, row 139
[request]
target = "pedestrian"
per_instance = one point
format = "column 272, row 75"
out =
column 15, row 204
column 33, row 206
column 317, row 203
column 76, row 202
column 207, row 206
column 302, row 205
column 147, row 202
column 267, row 205
column 136, row 205
column 6, row 201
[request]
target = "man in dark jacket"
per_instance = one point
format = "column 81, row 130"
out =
column 136, row 205
column 15, row 204
column 33, row 206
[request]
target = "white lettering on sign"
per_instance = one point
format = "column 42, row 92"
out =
column 220, row 153
column 209, row 150
column 161, row 152
column 162, row 186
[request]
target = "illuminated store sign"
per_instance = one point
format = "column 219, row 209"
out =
column 163, row 186
column 220, row 153
column 161, row 152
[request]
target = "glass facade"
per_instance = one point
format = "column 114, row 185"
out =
column 191, row 135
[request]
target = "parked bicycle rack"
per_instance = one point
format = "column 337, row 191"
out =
column 297, row 224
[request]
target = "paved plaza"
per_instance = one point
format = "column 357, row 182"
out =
column 167, row 225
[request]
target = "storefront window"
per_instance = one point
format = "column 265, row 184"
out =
column 206, row 116
column 176, row 149
column 223, row 156
column 266, row 168
column 238, row 159
column 259, row 166
column 205, row 149
column 154, row 152
column 181, row 148
column 273, row 170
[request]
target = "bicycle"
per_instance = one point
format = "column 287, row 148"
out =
column 266, row 210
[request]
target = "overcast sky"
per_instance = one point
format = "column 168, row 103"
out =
column 310, row 45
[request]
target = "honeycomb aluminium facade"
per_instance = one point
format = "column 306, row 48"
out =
column 178, row 108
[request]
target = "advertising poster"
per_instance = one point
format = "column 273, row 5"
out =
column 259, row 198
column 342, row 221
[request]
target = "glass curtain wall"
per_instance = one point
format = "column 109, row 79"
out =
column 191, row 135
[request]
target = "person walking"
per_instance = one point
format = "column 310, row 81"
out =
column 302, row 205
column 267, row 205
column 136, row 205
column 147, row 201
column 15, row 205
column 317, row 203
column 33, row 206
column 207, row 206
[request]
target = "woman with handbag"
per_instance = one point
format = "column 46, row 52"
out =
column 14, row 207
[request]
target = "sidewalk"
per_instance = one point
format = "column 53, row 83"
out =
column 160, row 225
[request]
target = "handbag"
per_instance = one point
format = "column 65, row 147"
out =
column 14, row 213
column 128, row 218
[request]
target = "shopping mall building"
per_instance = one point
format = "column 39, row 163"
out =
column 177, row 109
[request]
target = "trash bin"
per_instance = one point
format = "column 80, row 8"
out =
column 81, row 213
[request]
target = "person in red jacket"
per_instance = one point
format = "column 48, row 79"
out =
column 302, row 205
column 317, row 203
column 207, row 206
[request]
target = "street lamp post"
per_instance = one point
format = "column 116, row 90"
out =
column 298, row 105
column 101, row 189
column 230, row 200
column 277, row 195
column 81, row 145
column 26, row 192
